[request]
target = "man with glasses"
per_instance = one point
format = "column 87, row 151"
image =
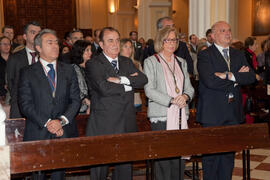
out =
column 222, row 71
column 182, row 50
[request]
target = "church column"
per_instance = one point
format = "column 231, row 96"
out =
column 83, row 9
column 149, row 11
column 203, row 14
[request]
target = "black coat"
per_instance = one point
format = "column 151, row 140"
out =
column 213, row 107
column 15, row 63
column 38, row 105
column 112, row 109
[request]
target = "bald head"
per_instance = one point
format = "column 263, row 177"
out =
column 221, row 33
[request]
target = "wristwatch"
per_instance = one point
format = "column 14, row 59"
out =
column 62, row 121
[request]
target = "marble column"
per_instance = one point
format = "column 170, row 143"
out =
column 149, row 11
column 83, row 12
column 203, row 14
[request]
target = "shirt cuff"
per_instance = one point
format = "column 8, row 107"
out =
column 47, row 122
column 127, row 88
column 124, row 80
column 232, row 78
column 64, row 117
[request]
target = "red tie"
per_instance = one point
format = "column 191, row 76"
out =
column 33, row 54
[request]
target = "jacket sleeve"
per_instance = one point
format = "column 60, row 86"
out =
column 150, row 88
column 74, row 98
column 188, row 88
column 26, row 101
column 136, row 81
column 96, row 76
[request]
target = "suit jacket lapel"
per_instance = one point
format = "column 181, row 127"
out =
column 232, row 62
column 44, row 83
column 60, row 78
column 25, row 60
column 108, row 67
column 219, row 56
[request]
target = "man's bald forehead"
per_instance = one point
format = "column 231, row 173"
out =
column 217, row 25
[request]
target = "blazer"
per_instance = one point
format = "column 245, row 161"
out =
column 15, row 63
column 38, row 105
column 213, row 108
column 156, row 89
column 112, row 109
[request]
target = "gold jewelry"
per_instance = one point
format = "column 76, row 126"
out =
column 177, row 90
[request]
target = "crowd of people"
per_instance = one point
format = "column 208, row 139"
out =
column 49, row 82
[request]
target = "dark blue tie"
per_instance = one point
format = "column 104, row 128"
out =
column 51, row 76
column 114, row 64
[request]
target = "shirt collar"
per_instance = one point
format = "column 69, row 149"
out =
column 110, row 59
column 220, row 48
column 45, row 63
column 29, row 50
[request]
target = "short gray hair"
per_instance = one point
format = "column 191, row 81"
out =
column 159, row 21
column 38, row 37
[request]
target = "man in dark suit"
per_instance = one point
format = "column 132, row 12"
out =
column 222, row 70
column 193, row 39
column 113, row 79
column 137, row 47
column 17, row 61
column 49, row 96
column 96, row 47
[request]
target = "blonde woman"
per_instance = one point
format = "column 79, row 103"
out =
column 169, row 91
column 126, row 49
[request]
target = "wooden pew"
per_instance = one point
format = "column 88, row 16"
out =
column 85, row 151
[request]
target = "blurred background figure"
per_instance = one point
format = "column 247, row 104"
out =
column 182, row 37
column 81, row 53
column 238, row 45
column 267, row 71
column 89, row 39
column 250, row 49
column 8, row 31
column 19, row 39
column 5, row 46
column 64, row 49
column 126, row 49
column 209, row 39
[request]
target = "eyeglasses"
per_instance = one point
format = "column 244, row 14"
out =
column 171, row 40
column 5, row 44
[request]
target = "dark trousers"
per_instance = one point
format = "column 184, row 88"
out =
column 55, row 175
column 121, row 172
column 167, row 168
column 218, row 166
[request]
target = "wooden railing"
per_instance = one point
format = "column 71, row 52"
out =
column 84, row 151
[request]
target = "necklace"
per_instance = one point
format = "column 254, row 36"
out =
column 174, row 79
